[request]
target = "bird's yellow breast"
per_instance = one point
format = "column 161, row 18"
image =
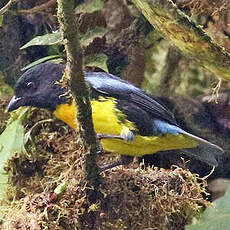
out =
column 108, row 119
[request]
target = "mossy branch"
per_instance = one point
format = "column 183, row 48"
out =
column 175, row 26
column 74, row 72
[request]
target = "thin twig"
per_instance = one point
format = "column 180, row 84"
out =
column 6, row 7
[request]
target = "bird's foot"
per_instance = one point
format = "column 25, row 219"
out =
column 127, row 134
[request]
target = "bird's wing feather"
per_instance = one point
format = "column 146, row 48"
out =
column 111, row 85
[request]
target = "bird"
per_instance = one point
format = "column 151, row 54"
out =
column 129, row 122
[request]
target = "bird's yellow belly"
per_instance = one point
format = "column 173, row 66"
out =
column 142, row 145
column 107, row 120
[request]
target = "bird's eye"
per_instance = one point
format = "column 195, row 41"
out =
column 30, row 85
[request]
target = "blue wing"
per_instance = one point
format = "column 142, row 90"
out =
column 111, row 85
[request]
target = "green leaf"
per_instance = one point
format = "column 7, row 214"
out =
column 216, row 217
column 11, row 141
column 90, row 6
column 47, row 39
column 40, row 61
column 87, row 38
column 97, row 60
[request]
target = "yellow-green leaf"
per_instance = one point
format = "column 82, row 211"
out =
column 87, row 38
column 41, row 60
column 11, row 141
column 1, row 20
column 47, row 39
column 97, row 60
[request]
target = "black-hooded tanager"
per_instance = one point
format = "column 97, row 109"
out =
column 119, row 109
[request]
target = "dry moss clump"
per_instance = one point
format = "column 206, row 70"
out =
column 133, row 199
column 150, row 198
column 54, row 158
column 141, row 198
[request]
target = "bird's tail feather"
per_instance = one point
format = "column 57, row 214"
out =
column 205, row 151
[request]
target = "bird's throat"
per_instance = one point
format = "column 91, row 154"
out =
column 67, row 113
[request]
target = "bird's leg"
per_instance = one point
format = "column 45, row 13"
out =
column 124, row 160
column 101, row 136
column 126, row 135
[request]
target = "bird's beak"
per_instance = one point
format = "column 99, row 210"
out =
column 15, row 103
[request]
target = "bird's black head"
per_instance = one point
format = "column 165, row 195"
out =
column 38, row 87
